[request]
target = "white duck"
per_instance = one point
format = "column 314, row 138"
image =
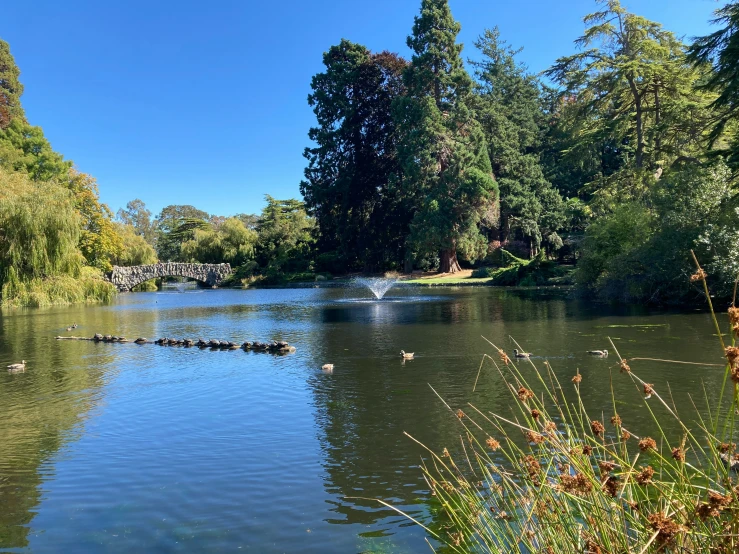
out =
column 17, row 367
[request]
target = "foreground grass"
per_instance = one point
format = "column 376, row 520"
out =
column 554, row 478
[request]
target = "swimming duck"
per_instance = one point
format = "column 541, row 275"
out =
column 18, row 367
column 327, row 367
column 522, row 355
column 598, row 353
column 407, row 355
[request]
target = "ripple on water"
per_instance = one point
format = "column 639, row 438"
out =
column 120, row 448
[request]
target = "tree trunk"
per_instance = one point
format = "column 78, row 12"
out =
column 638, row 119
column 657, row 120
column 448, row 261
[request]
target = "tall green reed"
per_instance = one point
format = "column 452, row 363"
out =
column 555, row 478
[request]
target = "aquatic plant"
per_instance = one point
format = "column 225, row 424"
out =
column 556, row 478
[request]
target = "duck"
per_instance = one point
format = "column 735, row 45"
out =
column 327, row 368
column 69, row 328
column 407, row 355
column 521, row 355
column 18, row 367
column 598, row 353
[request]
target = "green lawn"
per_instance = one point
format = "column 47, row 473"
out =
column 447, row 281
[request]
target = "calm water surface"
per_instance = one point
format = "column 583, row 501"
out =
column 125, row 448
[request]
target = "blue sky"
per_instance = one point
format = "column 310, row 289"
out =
column 204, row 103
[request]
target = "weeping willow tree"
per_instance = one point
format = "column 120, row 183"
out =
column 40, row 260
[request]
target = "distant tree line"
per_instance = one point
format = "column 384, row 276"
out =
column 623, row 159
column 270, row 246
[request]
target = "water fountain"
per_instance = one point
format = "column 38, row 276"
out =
column 378, row 285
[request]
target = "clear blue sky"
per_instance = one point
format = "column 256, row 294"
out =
column 204, row 103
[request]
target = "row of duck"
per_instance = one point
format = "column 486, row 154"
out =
column 273, row 346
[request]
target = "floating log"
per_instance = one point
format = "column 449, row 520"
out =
column 273, row 347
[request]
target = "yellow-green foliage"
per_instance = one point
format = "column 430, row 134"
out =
column 135, row 251
column 231, row 242
column 40, row 261
column 99, row 241
column 40, row 229
column 89, row 286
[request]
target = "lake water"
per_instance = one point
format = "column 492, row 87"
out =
column 125, row 448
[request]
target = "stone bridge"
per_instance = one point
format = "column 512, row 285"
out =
column 125, row 278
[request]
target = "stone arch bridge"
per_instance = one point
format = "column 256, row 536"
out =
column 125, row 278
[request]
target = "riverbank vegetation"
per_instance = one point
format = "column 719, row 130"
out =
column 620, row 158
column 604, row 171
column 552, row 476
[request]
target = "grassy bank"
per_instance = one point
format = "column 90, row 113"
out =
column 550, row 477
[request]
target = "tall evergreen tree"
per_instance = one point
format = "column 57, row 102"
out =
column 361, row 219
column 632, row 82
column 446, row 168
column 720, row 49
column 11, row 88
column 510, row 111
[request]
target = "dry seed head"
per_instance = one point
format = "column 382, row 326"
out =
column 525, row 394
column 719, row 500
column 535, row 413
column 678, row 454
column 733, row 315
column 606, row 466
column 611, row 486
column 577, row 378
column 587, row 450
column 597, row 428
column 492, row 443
column 591, row 547
column 724, row 447
column 616, row 420
column 666, row 528
column 648, row 390
column 445, row 453
column 699, row 275
column 575, row 484
column 732, row 354
column 460, row 414
column 644, row 477
column 625, row 435
column 534, row 437
column 503, row 356
column 647, row 443
column 550, row 427
column 704, row 511
column 625, row 367
column 532, row 466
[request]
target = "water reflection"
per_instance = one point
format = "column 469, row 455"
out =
column 111, row 448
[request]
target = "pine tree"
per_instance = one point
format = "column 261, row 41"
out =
column 11, row 88
column 509, row 109
column 443, row 152
column 720, row 49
